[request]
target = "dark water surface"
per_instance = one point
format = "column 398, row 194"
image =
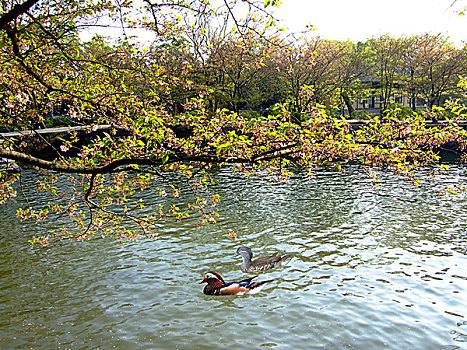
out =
column 376, row 268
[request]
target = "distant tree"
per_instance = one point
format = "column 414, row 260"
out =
column 325, row 73
column 408, row 75
column 353, row 68
column 235, row 64
column 295, row 63
column 337, row 70
column 434, row 67
column 386, row 52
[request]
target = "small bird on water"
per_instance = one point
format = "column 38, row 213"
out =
column 217, row 286
column 261, row 263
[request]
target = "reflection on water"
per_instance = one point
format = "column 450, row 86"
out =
column 376, row 267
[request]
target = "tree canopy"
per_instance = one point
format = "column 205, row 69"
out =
column 172, row 107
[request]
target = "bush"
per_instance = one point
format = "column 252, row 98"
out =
column 397, row 110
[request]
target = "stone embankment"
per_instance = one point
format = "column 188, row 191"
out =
column 46, row 142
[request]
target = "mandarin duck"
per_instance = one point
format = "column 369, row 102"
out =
column 262, row 263
column 217, row 286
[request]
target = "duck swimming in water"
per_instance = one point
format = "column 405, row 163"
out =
column 217, row 286
column 261, row 263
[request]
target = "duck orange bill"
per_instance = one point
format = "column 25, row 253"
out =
column 203, row 281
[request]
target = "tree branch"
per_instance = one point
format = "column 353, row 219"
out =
column 15, row 12
column 92, row 205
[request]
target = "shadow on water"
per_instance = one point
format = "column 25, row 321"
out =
column 375, row 267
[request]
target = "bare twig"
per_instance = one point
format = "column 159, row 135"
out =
column 92, row 205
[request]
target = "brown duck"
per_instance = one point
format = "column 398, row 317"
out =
column 262, row 263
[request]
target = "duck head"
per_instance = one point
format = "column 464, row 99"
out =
column 212, row 278
column 245, row 252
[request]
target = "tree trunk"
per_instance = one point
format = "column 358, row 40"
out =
column 348, row 103
column 414, row 102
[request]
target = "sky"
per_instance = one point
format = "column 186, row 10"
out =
column 359, row 20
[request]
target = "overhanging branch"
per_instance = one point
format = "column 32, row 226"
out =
column 15, row 12
column 126, row 164
column 70, row 169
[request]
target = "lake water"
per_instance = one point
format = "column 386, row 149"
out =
column 376, row 267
